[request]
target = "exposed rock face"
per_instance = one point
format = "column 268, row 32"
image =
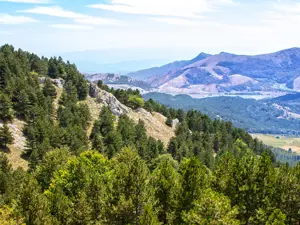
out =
column 94, row 90
column 175, row 122
column 57, row 82
column 154, row 123
column 108, row 99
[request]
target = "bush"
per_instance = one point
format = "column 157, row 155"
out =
column 135, row 101
column 169, row 122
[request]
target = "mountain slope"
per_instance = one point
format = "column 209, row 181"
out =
column 226, row 72
column 148, row 73
column 254, row 116
column 154, row 122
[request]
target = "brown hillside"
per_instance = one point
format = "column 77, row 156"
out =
column 16, row 149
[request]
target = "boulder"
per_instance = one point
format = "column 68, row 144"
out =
column 175, row 122
column 59, row 82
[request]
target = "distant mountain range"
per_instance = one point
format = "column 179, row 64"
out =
column 227, row 73
column 149, row 73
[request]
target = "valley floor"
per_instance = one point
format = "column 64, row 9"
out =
column 279, row 141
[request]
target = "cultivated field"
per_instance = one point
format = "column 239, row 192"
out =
column 284, row 142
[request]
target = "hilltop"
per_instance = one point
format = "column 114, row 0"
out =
column 227, row 73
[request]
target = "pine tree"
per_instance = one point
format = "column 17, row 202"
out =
column 166, row 184
column 82, row 88
column 100, row 84
column 141, row 139
column 49, row 89
column 5, row 174
column 113, row 143
column 180, row 115
column 130, row 185
column 149, row 216
column 51, row 163
column 23, row 106
column 126, row 128
column 97, row 143
column 4, row 72
column 81, row 190
column 52, row 69
column 107, row 121
column 152, row 150
column 33, row 205
column 6, row 137
column 194, row 180
column 6, row 112
column 69, row 95
column 211, row 208
column 169, row 122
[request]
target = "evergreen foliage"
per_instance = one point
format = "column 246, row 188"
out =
column 6, row 137
column 210, row 172
column 6, row 112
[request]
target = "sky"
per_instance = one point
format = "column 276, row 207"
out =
column 163, row 29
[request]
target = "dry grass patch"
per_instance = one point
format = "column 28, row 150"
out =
column 95, row 108
column 154, row 124
column 16, row 149
column 278, row 141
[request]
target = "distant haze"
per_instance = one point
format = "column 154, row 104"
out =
column 124, row 61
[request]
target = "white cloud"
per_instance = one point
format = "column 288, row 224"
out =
column 176, row 21
column 178, row 8
column 27, row 1
column 90, row 20
column 287, row 15
column 78, row 17
column 71, row 26
column 53, row 11
column 287, row 8
column 9, row 19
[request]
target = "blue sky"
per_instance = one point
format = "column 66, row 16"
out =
column 166, row 28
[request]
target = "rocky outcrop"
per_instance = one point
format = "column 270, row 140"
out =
column 57, row 82
column 108, row 99
column 154, row 122
column 175, row 123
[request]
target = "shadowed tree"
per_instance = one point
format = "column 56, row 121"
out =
column 6, row 137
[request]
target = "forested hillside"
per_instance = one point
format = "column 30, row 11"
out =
column 107, row 170
column 265, row 116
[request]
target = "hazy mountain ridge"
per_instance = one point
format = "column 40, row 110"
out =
column 226, row 72
column 148, row 73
